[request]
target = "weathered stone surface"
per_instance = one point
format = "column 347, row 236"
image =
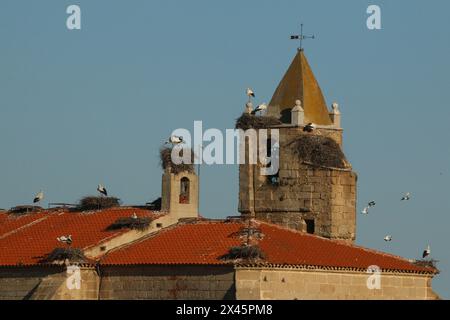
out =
column 177, row 282
column 334, row 285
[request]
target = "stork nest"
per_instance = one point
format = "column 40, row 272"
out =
column 59, row 255
column 319, row 151
column 165, row 154
column 431, row 263
column 247, row 121
column 97, row 203
column 22, row 210
column 245, row 252
column 140, row 223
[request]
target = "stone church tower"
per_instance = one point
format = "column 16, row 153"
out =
column 315, row 188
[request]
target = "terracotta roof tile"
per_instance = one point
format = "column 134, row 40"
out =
column 27, row 239
column 206, row 242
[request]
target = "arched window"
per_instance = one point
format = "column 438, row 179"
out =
column 184, row 190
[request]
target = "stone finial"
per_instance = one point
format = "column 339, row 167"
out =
column 335, row 115
column 298, row 114
column 335, row 108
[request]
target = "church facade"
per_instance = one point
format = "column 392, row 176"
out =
column 293, row 240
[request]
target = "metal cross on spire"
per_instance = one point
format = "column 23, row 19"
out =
column 301, row 37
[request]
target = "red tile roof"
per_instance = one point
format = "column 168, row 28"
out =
column 27, row 239
column 206, row 242
column 3, row 216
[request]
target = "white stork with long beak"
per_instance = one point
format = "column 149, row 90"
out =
column 102, row 190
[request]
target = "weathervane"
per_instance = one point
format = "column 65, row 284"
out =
column 301, row 37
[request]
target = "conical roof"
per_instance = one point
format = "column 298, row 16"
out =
column 299, row 83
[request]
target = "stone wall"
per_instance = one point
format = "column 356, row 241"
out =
column 20, row 283
column 54, row 287
column 167, row 282
column 297, row 284
column 326, row 196
column 46, row 283
column 208, row 282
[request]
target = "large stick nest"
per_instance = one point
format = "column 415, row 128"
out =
column 248, row 121
column 245, row 252
column 22, row 210
column 427, row 263
column 139, row 223
column 59, row 255
column 97, row 203
column 320, row 151
column 166, row 160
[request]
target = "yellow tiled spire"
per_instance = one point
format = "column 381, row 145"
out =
column 299, row 83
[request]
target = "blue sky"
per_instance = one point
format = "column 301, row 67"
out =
column 82, row 107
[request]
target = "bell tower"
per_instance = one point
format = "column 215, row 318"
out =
column 180, row 193
column 314, row 190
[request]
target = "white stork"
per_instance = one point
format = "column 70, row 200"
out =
column 175, row 140
column 250, row 93
column 39, row 197
column 406, row 197
column 260, row 108
column 65, row 239
column 310, row 127
column 102, row 190
column 388, row 238
column 426, row 252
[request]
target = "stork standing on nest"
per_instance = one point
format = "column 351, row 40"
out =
column 310, row 127
column 39, row 197
column 65, row 239
column 250, row 94
column 102, row 190
column 260, row 108
column 426, row 252
column 174, row 140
